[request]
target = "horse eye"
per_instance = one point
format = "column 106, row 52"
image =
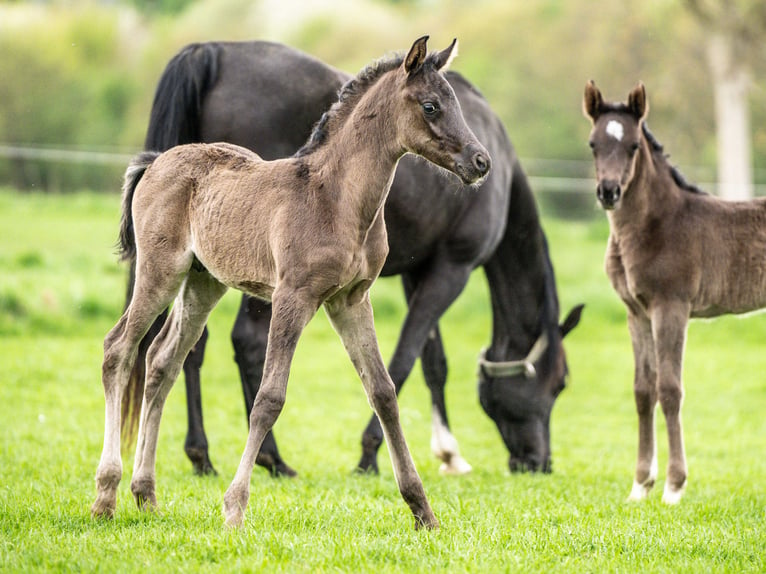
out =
column 430, row 108
column 633, row 148
column 592, row 145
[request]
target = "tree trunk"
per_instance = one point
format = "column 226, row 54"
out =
column 731, row 85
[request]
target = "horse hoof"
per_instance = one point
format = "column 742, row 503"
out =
column 103, row 508
column 367, row 466
column 282, row 470
column 671, row 495
column 200, row 461
column 456, row 466
column 640, row 491
column 234, row 505
column 427, row 523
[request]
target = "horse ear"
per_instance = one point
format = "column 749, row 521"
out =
column 637, row 102
column 592, row 101
column 571, row 321
column 416, row 55
column 444, row 58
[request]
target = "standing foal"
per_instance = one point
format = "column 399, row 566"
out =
column 302, row 232
column 674, row 252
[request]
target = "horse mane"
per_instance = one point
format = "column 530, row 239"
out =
column 658, row 151
column 348, row 96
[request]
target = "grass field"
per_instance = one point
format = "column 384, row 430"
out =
column 61, row 289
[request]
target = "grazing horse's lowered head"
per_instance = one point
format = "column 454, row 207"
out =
column 518, row 395
column 615, row 139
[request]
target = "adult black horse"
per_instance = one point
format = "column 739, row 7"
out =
column 239, row 93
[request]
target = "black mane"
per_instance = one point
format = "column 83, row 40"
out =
column 350, row 93
column 677, row 176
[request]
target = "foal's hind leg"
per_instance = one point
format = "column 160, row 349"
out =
column 120, row 349
column 164, row 360
column 354, row 323
column 645, row 393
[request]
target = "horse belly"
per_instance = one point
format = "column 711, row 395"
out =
column 737, row 288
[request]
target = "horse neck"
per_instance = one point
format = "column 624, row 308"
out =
column 650, row 195
column 518, row 274
column 359, row 157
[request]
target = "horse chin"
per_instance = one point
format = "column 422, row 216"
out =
column 469, row 177
column 609, row 205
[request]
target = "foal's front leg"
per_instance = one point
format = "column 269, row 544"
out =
column 291, row 312
column 354, row 323
column 669, row 322
column 645, row 393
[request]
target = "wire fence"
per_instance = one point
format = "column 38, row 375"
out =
column 547, row 176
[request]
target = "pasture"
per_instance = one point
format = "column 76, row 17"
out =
column 61, row 289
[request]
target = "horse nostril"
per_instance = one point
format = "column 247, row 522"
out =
column 481, row 163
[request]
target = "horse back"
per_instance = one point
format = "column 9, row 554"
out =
column 708, row 252
column 254, row 103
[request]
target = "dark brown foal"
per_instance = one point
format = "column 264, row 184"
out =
column 674, row 253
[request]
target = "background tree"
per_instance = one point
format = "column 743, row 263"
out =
column 736, row 31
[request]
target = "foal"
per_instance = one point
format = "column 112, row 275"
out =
column 674, row 253
column 301, row 232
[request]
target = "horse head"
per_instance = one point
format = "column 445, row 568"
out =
column 615, row 140
column 431, row 123
column 519, row 396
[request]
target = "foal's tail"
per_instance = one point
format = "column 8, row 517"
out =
column 174, row 120
column 131, row 400
column 133, row 175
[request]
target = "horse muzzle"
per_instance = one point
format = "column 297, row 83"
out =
column 473, row 165
column 608, row 192
column 530, row 464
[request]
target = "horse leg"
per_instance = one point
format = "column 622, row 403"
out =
column 249, row 337
column 120, row 351
column 353, row 321
column 195, row 446
column 290, row 315
column 432, row 295
column 669, row 324
column 444, row 446
column 645, row 393
column 164, row 359
column 433, row 361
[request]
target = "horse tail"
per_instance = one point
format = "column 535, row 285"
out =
column 131, row 400
column 175, row 115
column 133, row 175
column 174, row 120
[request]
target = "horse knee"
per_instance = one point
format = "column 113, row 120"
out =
column 383, row 399
column 268, row 404
column 671, row 395
column 646, row 398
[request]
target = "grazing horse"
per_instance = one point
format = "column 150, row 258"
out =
column 674, row 253
column 302, row 232
column 240, row 92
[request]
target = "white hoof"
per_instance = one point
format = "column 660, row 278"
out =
column 456, row 466
column 638, row 492
column 672, row 495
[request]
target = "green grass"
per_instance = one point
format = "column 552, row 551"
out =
column 61, row 289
